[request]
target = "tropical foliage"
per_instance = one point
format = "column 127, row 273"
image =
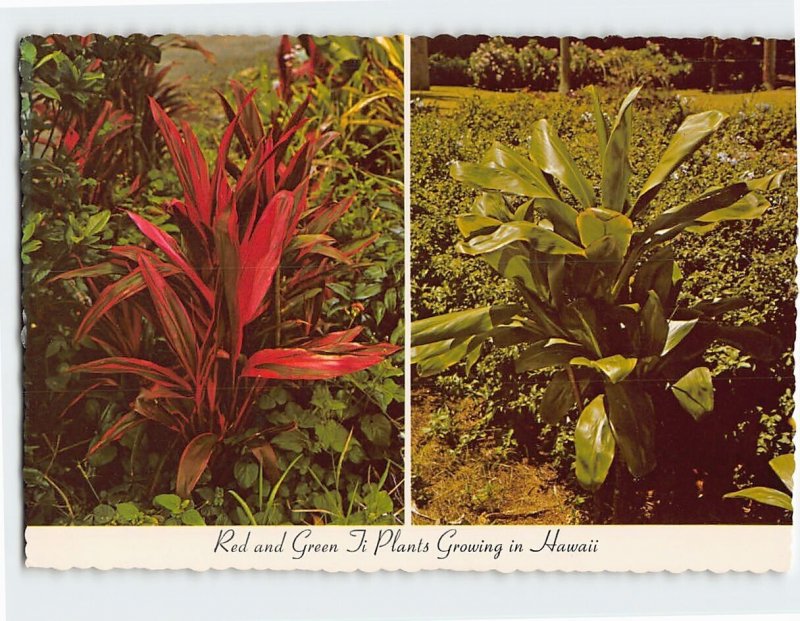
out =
column 225, row 307
column 597, row 286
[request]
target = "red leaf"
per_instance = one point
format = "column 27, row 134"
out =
column 170, row 247
column 193, row 461
column 324, row 219
column 152, row 410
column 90, row 271
column 261, row 253
column 83, row 393
column 251, row 119
column 178, row 326
column 227, row 244
column 145, row 369
column 221, row 189
column 125, row 423
column 315, row 364
column 113, row 294
column 190, row 166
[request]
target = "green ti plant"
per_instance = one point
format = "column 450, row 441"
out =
column 783, row 466
column 599, row 287
column 233, row 301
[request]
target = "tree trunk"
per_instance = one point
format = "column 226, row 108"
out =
column 710, row 53
column 564, row 72
column 768, row 67
column 420, row 74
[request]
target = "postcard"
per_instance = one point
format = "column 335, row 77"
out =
column 408, row 303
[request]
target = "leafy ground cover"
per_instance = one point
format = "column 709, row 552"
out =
column 751, row 421
column 449, row 98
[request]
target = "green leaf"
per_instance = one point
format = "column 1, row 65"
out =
column 488, row 178
column 435, row 357
column 461, row 323
column 600, row 120
column 365, row 291
column 471, row 224
column 594, row 224
column 514, row 263
column 753, row 341
column 656, row 273
column 104, row 455
column 170, row 502
column 693, row 132
column 377, row 429
column 783, row 466
column 331, row 435
column 378, row 503
column 103, row 514
column 653, row 325
column 246, row 473
column 594, row 445
column 764, row 495
column 536, row 236
column 191, row 517
column 27, row 51
column 47, row 91
column 750, row 207
column 630, row 412
column 551, row 156
column 562, row 215
column 514, row 163
column 674, row 220
column 695, row 392
column 491, row 205
column 616, row 368
column 677, row 331
column 616, row 163
column 558, row 398
column 128, row 511
column 295, row 441
column 544, row 354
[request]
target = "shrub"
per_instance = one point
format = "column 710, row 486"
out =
column 495, row 65
column 249, row 231
column 539, row 66
column 648, row 66
column 449, row 70
column 584, row 63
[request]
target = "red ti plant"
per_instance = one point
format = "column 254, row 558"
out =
column 250, row 267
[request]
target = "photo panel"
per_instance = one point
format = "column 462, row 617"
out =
column 602, row 280
column 212, row 271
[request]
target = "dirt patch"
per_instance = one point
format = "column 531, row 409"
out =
column 461, row 474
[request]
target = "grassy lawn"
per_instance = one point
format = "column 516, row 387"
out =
column 447, row 98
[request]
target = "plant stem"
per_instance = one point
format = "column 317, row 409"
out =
column 576, row 390
column 276, row 284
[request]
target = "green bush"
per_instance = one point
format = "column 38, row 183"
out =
column 448, row 70
column 648, row 66
column 495, row 66
column 584, row 63
column 539, row 66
